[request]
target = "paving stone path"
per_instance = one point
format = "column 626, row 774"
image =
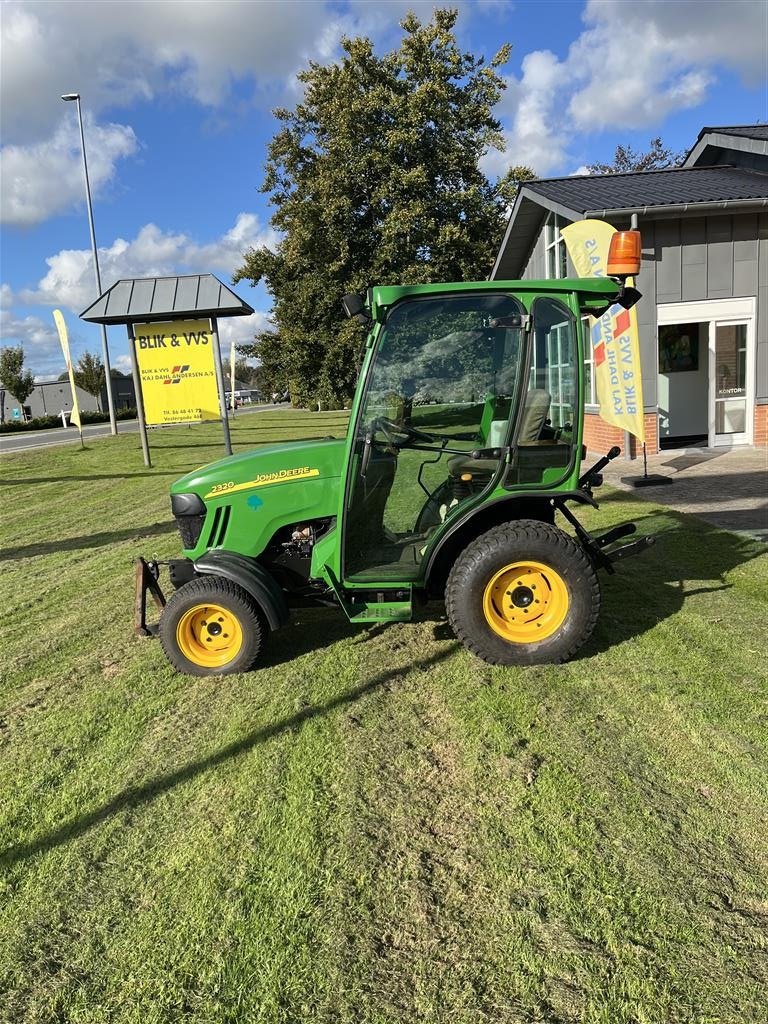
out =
column 727, row 487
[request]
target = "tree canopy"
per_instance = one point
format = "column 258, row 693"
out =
column 626, row 159
column 89, row 375
column 375, row 179
column 17, row 381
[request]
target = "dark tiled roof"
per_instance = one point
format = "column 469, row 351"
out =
column 747, row 131
column 134, row 300
column 592, row 193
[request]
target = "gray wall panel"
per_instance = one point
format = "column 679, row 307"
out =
column 745, row 254
column 649, row 364
column 761, row 377
column 668, row 263
column 646, row 279
column 534, row 269
column 693, row 238
column 719, row 258
column 646, row 314
column 762, row 278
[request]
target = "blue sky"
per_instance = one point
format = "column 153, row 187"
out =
column 178, row 99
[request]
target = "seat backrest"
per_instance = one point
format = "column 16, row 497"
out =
column 537, row 403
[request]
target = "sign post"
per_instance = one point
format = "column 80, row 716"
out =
column 139, row 397
column 220, row 383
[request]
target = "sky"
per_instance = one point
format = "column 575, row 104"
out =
column 177, row 101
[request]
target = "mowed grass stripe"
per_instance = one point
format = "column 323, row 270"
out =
column 374, row 826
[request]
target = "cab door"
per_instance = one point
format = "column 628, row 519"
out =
column 442, row 384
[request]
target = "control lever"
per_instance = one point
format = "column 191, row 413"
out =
column 590, row 477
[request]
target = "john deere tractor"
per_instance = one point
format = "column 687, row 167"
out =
column 463, row 453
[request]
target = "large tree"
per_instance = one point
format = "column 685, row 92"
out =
column 17, row 381
column 374, row 178
column 89, row 375
column 626, row 159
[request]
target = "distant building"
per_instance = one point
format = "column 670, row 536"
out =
column 50, row 397
column 703, row 317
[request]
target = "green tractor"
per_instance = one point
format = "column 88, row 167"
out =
column 464, row 445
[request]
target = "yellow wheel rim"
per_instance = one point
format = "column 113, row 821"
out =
column 525, row 602
column 209, row 635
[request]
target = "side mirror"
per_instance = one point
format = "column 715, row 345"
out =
column 355, row 307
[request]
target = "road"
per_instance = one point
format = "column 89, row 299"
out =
column 47, row 438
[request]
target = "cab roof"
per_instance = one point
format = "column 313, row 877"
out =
column 588, row 289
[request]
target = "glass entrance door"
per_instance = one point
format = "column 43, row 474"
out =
column 729, row 379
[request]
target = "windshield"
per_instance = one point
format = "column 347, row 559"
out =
column 445, row 364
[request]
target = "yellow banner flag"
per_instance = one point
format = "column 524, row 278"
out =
column 232, row 374
column 61, row 327
column 177, row 371
column 614, row 337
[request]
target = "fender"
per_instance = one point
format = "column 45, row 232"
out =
column 522, row 505
column 252, row 577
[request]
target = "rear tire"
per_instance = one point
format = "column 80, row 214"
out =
column 211, row 626
column 524, row 593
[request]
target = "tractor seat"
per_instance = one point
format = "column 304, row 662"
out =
column 537, row 403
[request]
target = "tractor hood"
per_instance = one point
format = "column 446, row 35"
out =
column 240, row 503
column 264, row 469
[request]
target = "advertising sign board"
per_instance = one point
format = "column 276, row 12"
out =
column 177, row 371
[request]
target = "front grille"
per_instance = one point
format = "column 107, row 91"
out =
column 190, row 528
column 219, row 526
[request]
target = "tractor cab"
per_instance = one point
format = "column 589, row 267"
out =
column 460, row 389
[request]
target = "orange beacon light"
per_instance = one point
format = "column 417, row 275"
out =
column 624, row 254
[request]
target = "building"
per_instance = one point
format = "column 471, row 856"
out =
column 50, row 397
column 703, row 318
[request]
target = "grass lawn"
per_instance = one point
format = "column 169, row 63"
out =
column 374, row 827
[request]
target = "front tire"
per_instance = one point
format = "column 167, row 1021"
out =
column 524, row 593
column 211, row 626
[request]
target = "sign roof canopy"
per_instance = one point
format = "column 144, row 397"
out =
column 136, row 300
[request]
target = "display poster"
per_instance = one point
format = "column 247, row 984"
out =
column 177, row 371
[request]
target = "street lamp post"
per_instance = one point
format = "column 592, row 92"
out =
column 68, row 97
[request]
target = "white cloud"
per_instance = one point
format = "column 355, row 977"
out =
column 125, row 51
column 69, row 285
column 121, row 363
column 241, row 330
column 6, row 296
column 631, row 67
column 636, row 87
column 69, row 282
column 40, row 341
column 44, row 178
column 534, row 139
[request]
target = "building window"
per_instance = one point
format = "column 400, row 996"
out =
column 556, row 258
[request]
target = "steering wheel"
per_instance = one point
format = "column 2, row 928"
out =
column 389, row 429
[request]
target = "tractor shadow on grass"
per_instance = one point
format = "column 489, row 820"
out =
column 312, row 629
column 135, row 796
column 689, row 557
column 90, row 540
